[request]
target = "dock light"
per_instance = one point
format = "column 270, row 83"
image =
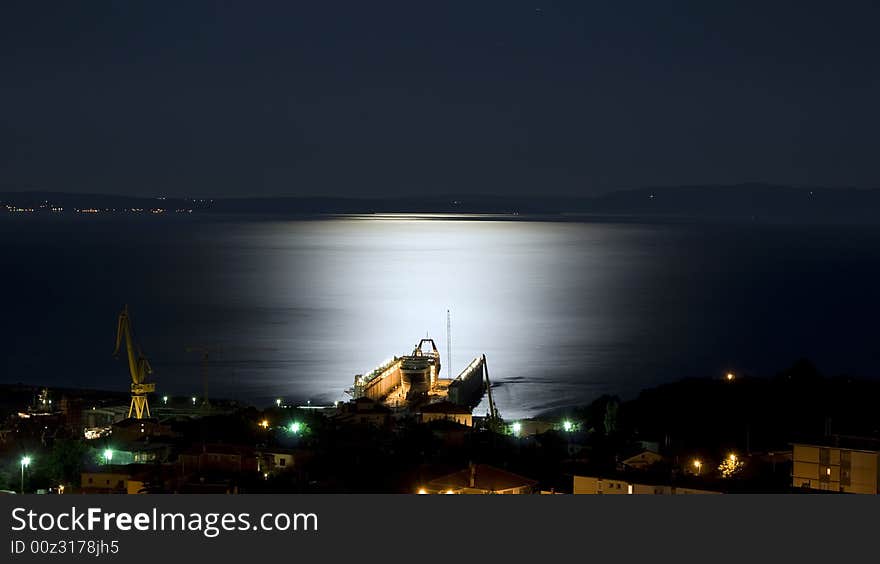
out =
column 165, row 400
column 422, row 491
column 567, row 425
column 517, row 427
column 108, row 455
column 25, row 462
column 295, row 427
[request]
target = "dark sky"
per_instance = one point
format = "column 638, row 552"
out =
column 378, row 98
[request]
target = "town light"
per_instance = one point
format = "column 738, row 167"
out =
column 194, row 400
column 108, row 455
column 517, row 427
column 698, row 465
column 732, row 457
column 567, row 425
column 165, row 400
column 295, row 427
column 25, row 462
column 278, row 402
column 264, row 424
column 730, row 376
column 422, row 491
column 449, row 492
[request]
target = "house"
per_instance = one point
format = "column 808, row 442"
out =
column 281, row 459
column 115, row 478
column 223, row 459
column 481, row 479
column 363, row 411
column 641, row 460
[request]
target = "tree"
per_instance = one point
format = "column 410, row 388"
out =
column 65, row 462
column 611, row 416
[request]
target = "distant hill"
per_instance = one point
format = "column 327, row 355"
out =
column 747, row 202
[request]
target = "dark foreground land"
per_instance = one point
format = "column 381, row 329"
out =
column 362, row 447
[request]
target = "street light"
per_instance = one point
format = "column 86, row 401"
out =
column 25, row 462
column 278, row 402
column 165, row 400
column 108, row 455
column 517, row 427
column 698, row 465
column 295, row 427
column 730, row 376
column 194, row 400
column 567, row 425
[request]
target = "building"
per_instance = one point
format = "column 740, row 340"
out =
column 837, row 464
column 446, row 411
column 223, row 459
column 132, row 430
column 592, row 485
column 641, row 460
column 279, row 459
column 128, row 479
column 111, row 479
column 363, row 411
column 481, row 479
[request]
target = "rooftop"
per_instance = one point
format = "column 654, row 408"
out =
column 485, row 477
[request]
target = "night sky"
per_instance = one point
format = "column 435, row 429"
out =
column 376, row 98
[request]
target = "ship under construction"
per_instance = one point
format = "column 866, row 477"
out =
column 414, row 380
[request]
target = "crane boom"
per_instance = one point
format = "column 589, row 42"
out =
column 494, row 416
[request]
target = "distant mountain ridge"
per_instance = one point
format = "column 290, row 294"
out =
column 751, row 202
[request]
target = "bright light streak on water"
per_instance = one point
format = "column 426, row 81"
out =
column 563, row 311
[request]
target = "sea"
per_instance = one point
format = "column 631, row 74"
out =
column 564, row 310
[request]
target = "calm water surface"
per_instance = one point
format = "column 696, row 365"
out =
column 563, row 311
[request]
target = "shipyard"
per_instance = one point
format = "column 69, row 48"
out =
column 409, row 427
column 413, row 383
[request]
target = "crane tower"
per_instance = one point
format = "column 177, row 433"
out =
column 138, row 366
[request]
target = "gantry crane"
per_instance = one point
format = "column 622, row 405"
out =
column 138, row 366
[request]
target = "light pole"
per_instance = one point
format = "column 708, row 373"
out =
column 25, row 462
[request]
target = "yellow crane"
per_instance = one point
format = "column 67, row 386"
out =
column 138, row 366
